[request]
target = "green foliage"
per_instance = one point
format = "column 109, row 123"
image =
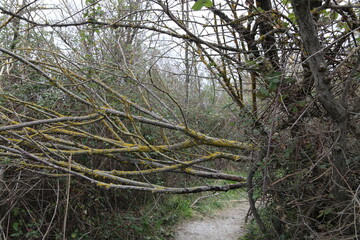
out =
column 272, row 83
column 94, row 12
column 202, row 3
column 22, row 228
column 253, row 232
column 292, row 17
column 99, row 214
column 263, row 93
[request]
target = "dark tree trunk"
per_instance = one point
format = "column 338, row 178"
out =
column 333, row 107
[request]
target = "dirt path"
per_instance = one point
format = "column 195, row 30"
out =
column 226, row 224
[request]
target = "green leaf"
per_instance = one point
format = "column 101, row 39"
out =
column 202, row 3
column 208, row 3
column 15, row 211
column 294, row 109
column 15, row 226
column 17, row 234
column 289, row 79
column 292, row 17
column 273, row 86
column 256, row 194
column 263, row 93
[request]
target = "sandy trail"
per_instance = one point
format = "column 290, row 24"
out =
column 226, row 224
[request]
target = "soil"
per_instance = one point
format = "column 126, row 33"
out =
column 225, row 224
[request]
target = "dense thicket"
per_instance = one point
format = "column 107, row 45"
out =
column 140, row 95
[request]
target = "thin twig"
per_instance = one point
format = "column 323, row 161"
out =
column 67, row 199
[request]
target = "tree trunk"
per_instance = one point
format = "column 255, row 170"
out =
column 338, row 113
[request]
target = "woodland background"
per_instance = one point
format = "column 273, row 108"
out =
column 108, row 104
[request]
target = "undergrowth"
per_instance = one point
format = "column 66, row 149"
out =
column 95, row 213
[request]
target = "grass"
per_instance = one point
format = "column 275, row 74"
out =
column 171, row 210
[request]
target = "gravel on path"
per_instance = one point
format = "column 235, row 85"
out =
column 226, row 224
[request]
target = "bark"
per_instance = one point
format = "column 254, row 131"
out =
column 265, row 27
column 333, row 107
column 250, row 187
column 316, row 60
